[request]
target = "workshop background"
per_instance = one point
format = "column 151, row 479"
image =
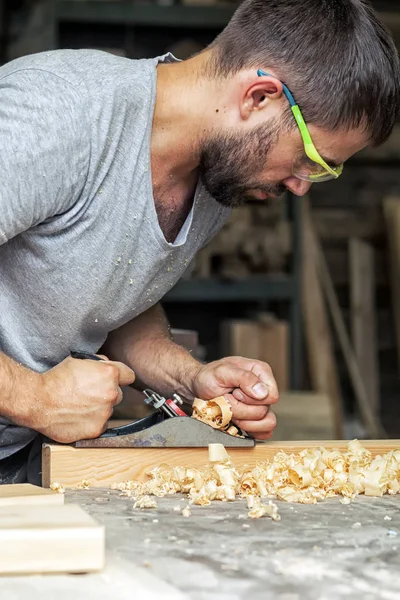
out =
column 312, row 286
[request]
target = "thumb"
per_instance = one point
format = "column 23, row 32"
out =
column 126, row 375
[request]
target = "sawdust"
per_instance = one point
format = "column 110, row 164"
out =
column 57, row 487
column 306, row 477
column 145, row 502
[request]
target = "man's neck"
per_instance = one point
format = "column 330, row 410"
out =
column 178, row 127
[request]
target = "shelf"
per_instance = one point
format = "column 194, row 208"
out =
column 120, row 12
column 256, row 289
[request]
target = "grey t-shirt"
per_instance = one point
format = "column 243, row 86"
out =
column 81, row 250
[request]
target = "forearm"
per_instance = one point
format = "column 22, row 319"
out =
column 18, row 390
column 146, row 345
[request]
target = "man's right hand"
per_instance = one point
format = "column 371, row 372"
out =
column 76, row 398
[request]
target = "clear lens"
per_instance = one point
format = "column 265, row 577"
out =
column 307, row 170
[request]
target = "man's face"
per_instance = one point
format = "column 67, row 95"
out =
column 238, row 165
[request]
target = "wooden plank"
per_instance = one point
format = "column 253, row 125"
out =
column 323, row 371
column 26, row 493
column 392, row 217
column 304, row 416
column 363, row 316
column 104, row 466
column 50, row 539
column 371, row 420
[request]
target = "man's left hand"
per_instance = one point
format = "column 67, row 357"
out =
column 250, row 387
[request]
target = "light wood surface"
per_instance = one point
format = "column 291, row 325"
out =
column 25, row 493
column 318, row 335
column 50, row 539
column 103, row 466
column 363, row 316
column 392, row 217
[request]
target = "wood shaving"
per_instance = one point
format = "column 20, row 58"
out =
column 306, row 477
column 84, row 485
column 57, row 487
column 186, row 512
column 258, row 510
column 145, row 502
column 217, row 412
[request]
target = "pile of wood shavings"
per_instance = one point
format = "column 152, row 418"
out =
column 307, row 477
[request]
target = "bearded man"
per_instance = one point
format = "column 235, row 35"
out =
column 116, row 172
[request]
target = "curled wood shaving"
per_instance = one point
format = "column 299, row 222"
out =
column 307, row 477
column 57, row 487
column 217, row 412
column 186, row 512
column 84, row 485
column 258, row 510
column 145, row 502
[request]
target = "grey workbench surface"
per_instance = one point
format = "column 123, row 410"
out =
column 319, row 552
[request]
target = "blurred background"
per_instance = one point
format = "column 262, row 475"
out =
column 312, row 286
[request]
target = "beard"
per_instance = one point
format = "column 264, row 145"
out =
column 230, row 164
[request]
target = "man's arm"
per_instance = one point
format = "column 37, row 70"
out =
column 72, row 401
column 145, row 344
column 19, row 389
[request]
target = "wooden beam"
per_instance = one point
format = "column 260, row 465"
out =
column 363, row 316
column 50, row 539
column 371, row 421
column 16, row 494
column 392, row 215
column 104, row 466
column 322, row 365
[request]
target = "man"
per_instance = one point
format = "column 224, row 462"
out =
column 114, row 173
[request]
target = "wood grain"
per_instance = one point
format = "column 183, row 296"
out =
column 103, row 466
column 50, row 539
column 25, row 493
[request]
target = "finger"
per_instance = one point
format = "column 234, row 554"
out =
column 231, row 376
column 262, row 436
column 119, row 398
column 125, row 375
column 266, row 425
column 247, row 412
column 102, row 356
column 263, row 372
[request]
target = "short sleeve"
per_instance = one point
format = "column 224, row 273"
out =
column 44, row 148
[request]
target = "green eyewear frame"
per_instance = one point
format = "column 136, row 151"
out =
column 309, row 147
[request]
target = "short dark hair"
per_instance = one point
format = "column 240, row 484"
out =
column 337, row 57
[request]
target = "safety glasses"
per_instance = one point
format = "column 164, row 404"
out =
column 312, row 167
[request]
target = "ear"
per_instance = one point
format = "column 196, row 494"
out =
column 259, row 94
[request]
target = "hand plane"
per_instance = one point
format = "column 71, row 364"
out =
column 168, row 427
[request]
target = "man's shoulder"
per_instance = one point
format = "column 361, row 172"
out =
column 86, row 68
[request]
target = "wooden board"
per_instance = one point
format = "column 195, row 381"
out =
column 319, row 342
column 304, row 416
column 103, row 466
column 25, row 493
column 50, row 539
column 392, row 216
column 363, row 316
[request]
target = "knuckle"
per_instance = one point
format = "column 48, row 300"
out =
column 113, row 395
column 112, row 370
column 271, row 418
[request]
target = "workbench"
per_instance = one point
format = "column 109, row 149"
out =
column 327, row 551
